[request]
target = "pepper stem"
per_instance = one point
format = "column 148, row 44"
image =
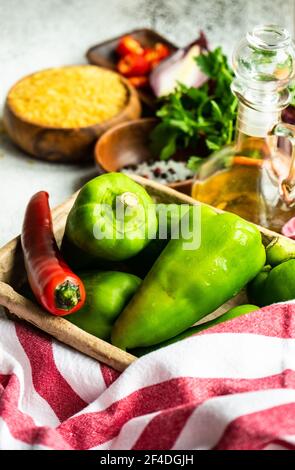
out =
column 128, row 199
column 67, row 295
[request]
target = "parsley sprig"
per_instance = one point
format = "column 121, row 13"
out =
column 191, row 116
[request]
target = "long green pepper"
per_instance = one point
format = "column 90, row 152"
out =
column 194, row 330
column 183, row 286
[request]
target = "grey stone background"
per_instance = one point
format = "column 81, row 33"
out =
column 43, row 33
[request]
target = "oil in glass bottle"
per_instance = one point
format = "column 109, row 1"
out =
column 254, row 178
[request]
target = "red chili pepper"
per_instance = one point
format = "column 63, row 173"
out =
column 55, row 286
column 162, row 50
column 133, row 65
column 129, row 45
column 139, row 82
column 156, row 54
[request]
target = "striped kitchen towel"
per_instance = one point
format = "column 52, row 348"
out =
column 232, row 387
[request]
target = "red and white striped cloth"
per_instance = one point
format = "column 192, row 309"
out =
column 232, row 387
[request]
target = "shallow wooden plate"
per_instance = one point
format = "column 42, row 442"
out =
column 104, row 54
column 12, row 276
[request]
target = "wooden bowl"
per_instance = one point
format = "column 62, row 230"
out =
column 104, row 54
column 128, row 144
column 65, row 144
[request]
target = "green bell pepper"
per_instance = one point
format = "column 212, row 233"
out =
column 112, row 218
column 185, row 285
column 273, row 284
column 107, row 293
column 168, row 215
column 80, row 260
column 280, row 249
column 276, row 281
column 229, row 315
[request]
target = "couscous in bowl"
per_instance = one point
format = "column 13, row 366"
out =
column 58, row 114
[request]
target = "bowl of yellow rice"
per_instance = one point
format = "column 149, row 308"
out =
column 58, row 114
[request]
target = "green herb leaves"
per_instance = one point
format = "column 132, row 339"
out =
column 193, row 117
column 194, row 163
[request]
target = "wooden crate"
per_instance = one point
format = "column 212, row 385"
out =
column 13, row 275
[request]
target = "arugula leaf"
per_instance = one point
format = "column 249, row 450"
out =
column 190, row 116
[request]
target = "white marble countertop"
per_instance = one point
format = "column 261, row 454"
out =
column 36, row 34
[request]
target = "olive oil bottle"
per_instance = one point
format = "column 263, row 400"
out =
column 255, row 178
